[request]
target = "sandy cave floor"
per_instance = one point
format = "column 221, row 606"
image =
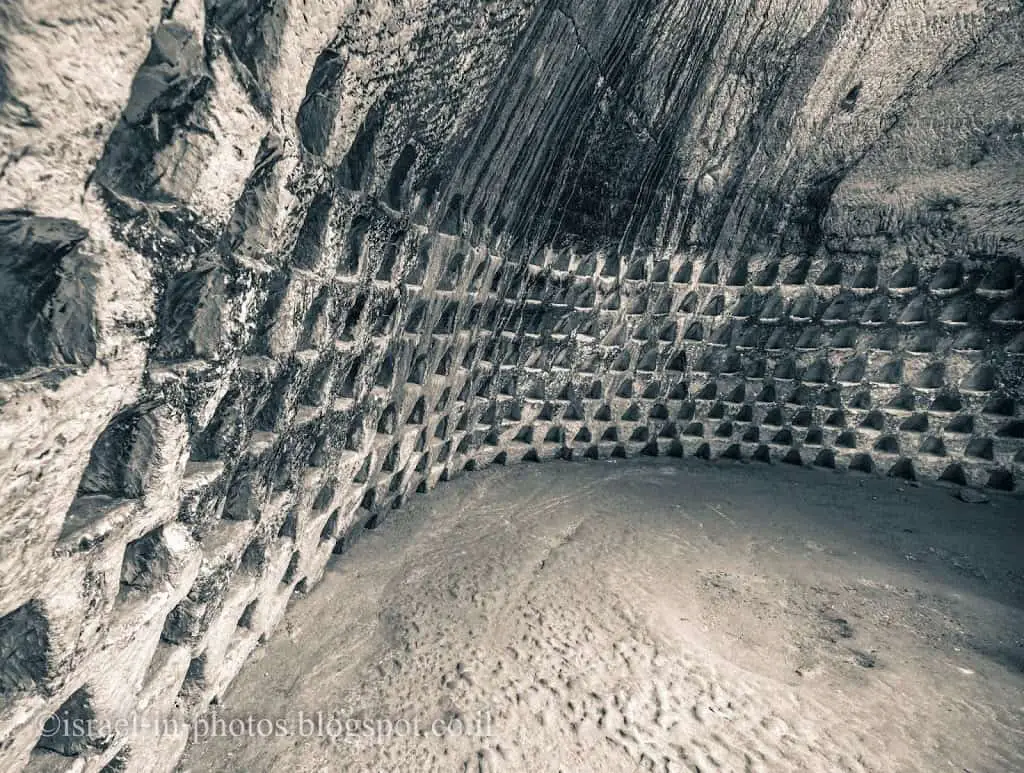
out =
column 653, row 615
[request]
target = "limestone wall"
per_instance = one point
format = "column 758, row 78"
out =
column 270, row 267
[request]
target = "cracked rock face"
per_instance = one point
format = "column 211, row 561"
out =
column 269, row 267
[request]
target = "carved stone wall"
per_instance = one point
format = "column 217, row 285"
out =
column 270, row 267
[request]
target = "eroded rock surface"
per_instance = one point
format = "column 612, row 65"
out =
column 271, row 266
column 656, row 614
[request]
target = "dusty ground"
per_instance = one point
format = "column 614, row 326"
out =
column 653, row 615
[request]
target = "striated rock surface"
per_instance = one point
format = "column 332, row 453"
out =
column 268, row 267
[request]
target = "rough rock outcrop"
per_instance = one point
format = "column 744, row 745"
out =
column 269, row 267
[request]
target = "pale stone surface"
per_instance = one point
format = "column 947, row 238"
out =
column 648, row 615
column 268, row 267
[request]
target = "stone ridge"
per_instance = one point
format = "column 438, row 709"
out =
column 276, row 266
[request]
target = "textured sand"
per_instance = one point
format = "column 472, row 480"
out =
column 654, row 616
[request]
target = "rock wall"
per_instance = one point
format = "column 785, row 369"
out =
column 269, row 267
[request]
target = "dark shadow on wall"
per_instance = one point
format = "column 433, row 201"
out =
column 46, row 293
column 251, row 31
